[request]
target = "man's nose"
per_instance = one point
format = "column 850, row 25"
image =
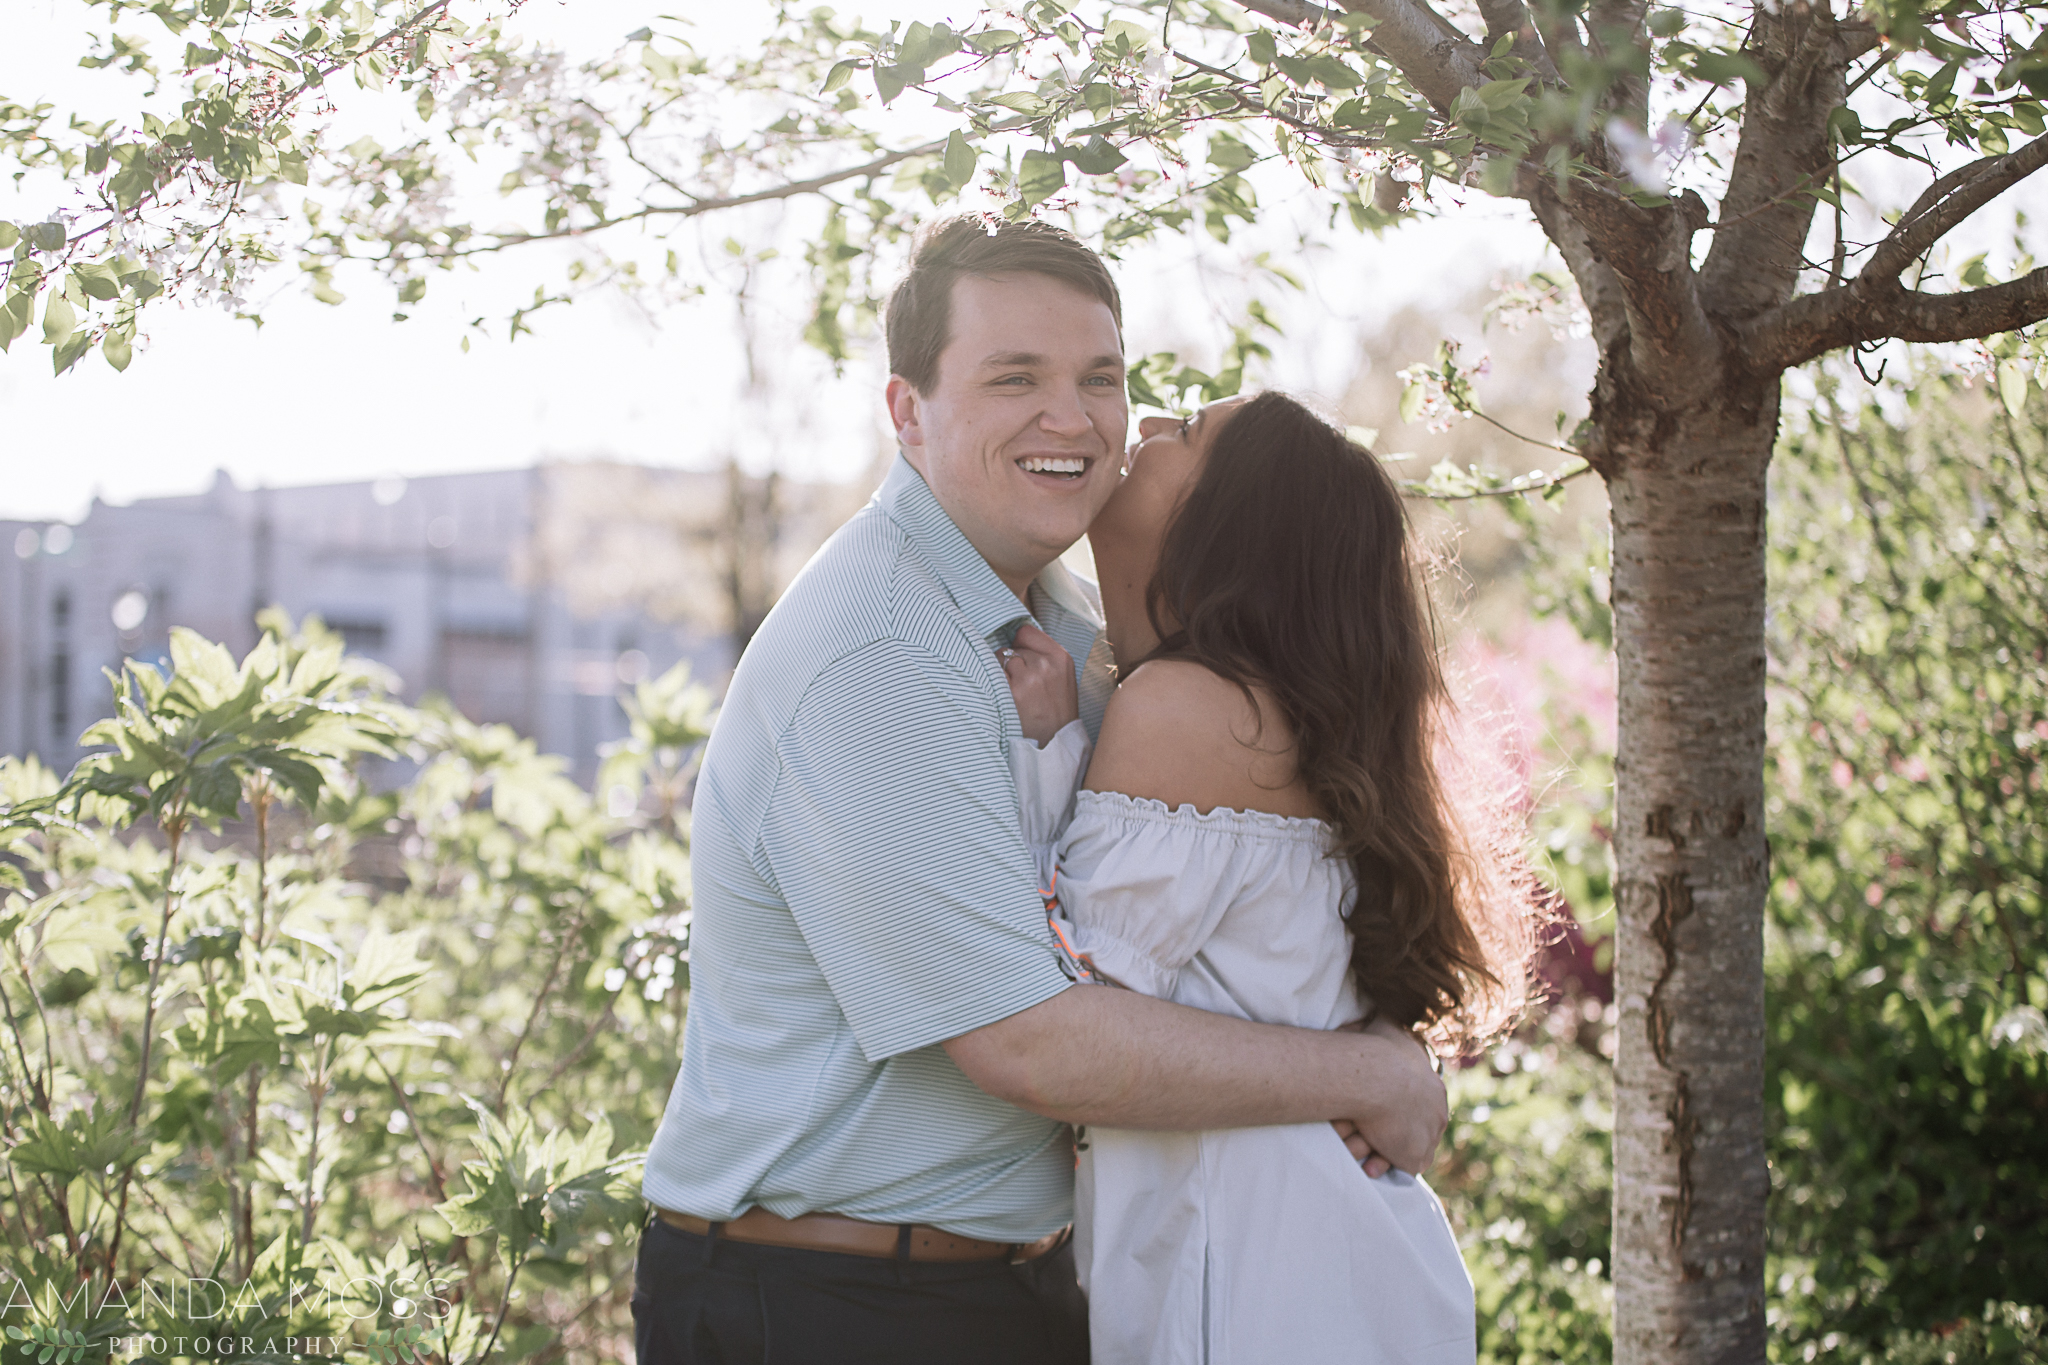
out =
column 1065, row 414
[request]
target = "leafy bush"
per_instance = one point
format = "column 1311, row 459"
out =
column 257, row 1105
column 293, row 1058
column 1908, row 1083
column 2007, row 1334
column 1527, row 1181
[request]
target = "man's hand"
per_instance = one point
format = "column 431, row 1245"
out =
column 1369, row 1161
column 1042, row 680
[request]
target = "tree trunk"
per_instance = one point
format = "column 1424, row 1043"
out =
column 1688, row 594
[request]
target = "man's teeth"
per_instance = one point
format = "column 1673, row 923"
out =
column 1046, row 464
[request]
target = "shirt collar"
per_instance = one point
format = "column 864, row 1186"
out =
column 989, row 605
column 1071, row 592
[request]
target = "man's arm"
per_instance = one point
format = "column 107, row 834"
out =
column 1095, row 1054
column 1180, row 734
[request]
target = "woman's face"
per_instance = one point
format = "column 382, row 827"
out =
column 1164, row 461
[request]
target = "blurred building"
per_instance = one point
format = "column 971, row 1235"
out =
column 531, row 597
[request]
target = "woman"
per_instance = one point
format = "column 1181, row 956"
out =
column 1264, row 832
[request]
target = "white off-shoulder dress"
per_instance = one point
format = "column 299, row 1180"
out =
column 1246, row 1245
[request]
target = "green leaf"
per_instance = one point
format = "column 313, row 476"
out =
column 1413, row 397
column 995, row 40
column 74, row 938
column 840, row 74
column 1260, row 47
column 1333, row 73
column 923, row 46
column 14, row 316
column 1725, row 68
column 1296, row 69
column 97, row 278
column 891, row 80
column 70, row 350
column 385, row 967
column 59, row 319
column 135, row 180
column 9, row 235
column 1944, row 82
column 959, row 161
column 2012, row 385
column 1229, row 155
column 1022, row 101
column 1097, row 156
column 269, row 57
column 1497, row 176
column 1040, row 176
column 1498, row 95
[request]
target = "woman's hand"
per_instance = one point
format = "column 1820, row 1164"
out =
column 1042, row 680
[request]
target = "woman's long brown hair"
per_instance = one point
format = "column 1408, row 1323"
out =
column 1287, row 567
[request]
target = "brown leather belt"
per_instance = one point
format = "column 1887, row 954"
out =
column 853, row 1237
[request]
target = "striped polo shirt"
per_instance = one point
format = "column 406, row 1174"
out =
column 862, row 892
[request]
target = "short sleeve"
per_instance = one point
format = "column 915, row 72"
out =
column 1141, row 888
column 893, row 837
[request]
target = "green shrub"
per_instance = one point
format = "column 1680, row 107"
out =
column 2007, row 1334
column 1908, row 1086
column 249, row 1093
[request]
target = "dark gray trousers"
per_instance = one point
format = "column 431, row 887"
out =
column 713, row 1301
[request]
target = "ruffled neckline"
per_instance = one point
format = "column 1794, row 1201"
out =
column 1302, row 828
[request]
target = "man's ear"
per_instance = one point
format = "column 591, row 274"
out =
column 906, row 412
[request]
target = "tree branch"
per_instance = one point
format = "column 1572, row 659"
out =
column 1673, row 347
column 1512, row 16
column 1946, row 203
column 1608, row 21
column 1599, row 286
column 1431, row 52
column 1436, row 56
column 697, row 207
column 1865, row 311
column 1295, row 13
column 1783, row 159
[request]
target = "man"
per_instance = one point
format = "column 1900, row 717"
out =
column 863, row 1158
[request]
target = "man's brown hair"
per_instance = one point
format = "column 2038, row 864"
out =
column 919, row 321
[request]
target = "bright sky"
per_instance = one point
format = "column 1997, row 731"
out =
column 331, row 393
column 341, row 393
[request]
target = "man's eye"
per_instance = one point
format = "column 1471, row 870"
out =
column 1014, row 379
column 1102, row 380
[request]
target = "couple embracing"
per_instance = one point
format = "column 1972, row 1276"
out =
column 1058, row 961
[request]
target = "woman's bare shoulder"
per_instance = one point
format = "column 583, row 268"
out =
column 1178, row 733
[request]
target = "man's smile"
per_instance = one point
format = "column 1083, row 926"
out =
column 1065, row 468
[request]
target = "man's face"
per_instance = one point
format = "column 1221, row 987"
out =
column 1021, row 435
